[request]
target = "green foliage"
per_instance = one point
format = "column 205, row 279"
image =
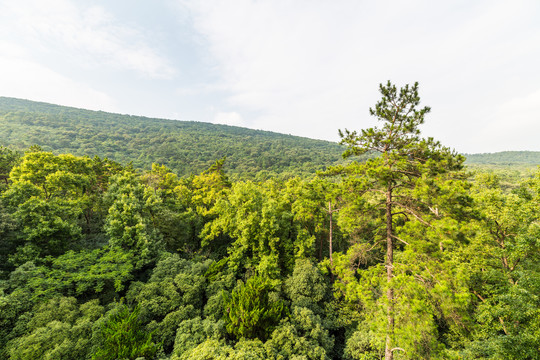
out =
column 208, row 350
column 174, row 293
column 60, row 329
column 259, row 219
column 413, row 187
column 8, row 159
column 249, row 349
column 272, row 223
column 364, row 345
column 123, row 336
column 186, row 147
column 174, row 215
column 192, row 333
column 303, row 336
column 307, row 287
column 83, row 274
column 14, row 308
column 53, row 201
column 250, row 311
column 49, row 195
column 310, row 199
column 216, row 349
column 8, row 242
column 505, row 158
column 399, row 249
column 130, row 222
column 504, row 274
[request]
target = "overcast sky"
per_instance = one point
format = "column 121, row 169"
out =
column 302, row 67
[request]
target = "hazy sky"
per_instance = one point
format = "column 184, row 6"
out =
column 302, row 67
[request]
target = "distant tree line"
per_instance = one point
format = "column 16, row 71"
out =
column 505, row 158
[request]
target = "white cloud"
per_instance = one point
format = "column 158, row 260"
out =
column 29, row 80
column 281, row 59
column 312, row 67
column 516, row 120
column 86, row 32
column 229, row 118
column 522, row 110
column 305, row 67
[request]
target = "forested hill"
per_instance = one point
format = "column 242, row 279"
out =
column 505, row 158
column 185, row 147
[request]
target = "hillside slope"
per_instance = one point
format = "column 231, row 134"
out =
column 505, row 158
column 184, row 146
column 187, row 147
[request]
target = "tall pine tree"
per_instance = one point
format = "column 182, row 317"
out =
column 397, row 180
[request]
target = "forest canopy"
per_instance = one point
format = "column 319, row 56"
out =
column 401, row 254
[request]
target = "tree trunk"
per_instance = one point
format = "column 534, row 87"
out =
column 388, row 355
column 330, row 234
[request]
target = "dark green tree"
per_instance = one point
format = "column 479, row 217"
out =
column 8, row 159
column 124, row 337
column 250, row 311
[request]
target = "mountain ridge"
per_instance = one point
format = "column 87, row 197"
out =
column 185, row 146
column 52, row 105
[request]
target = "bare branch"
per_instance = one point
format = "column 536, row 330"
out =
column 412, row 212
column 478, row 295
column 403, row 241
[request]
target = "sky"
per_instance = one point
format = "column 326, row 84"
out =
column 303, row 67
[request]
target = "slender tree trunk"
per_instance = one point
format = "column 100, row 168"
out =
column 330, row 234
column 320, row 248
column 388, row 355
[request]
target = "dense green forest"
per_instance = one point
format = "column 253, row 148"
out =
column 186, row 147
column 505, row 158
column 405, row 254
